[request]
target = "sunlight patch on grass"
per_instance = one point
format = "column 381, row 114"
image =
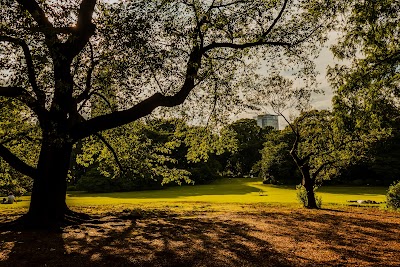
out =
column 220, row 193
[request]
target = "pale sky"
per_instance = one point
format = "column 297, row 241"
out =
column 318, row 101
column 324, row 60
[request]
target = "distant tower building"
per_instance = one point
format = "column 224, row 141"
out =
column 267, row 120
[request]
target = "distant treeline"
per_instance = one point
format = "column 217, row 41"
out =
column 156, row 153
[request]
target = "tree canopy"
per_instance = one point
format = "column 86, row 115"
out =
column 137, row 56
column 367, row 89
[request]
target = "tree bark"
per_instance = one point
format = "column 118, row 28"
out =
column 48, row 205
column 309, row 184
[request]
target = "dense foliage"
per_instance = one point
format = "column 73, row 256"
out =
column 248, row 139
column 15, row 119
column 276, row 165
column 393, row 196
column 367, row 88
column 80, row 80
column 148, row 155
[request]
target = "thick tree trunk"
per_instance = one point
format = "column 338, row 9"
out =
column 48, row 205
column 309, row 184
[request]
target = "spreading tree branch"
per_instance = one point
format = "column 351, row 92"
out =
column 145, row 107
column 83, row 30
column 11, row 91
column 244, row 45
column 40, row 17
column 262, row 40
column 268, row 31
column 17, row 163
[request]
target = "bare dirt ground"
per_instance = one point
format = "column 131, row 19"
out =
column 272, row 237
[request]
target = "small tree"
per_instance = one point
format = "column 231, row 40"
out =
column 318, row 145
column 317, row 150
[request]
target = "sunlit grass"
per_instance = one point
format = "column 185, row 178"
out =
column 222, row 194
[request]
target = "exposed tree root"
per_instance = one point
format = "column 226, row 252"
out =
column 29, row 222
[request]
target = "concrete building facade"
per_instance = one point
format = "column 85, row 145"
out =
column 267, row 120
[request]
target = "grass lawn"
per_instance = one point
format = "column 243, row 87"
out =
column 220, row 193
column 232, row 222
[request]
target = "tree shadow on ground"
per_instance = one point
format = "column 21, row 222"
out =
column 267, row 238
column 349, row 238
column 158, row 239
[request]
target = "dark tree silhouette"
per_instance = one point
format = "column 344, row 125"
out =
column 151, row 54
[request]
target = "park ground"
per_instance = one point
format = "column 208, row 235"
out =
column 237, row 222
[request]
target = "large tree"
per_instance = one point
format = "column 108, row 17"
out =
column 57, row 56
column 366, row 101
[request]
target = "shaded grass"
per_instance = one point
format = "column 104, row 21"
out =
column 224, row 194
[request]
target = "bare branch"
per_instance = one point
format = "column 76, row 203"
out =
column 214, row 105
column 308, row 35
column 85, row 14
column 49, row 30
column 29, row 62
column 111, row 150
column 293, row 152
column 88, row 84
column 84, row 29
column 244, row 45
column 276, row 19
column 227, row 4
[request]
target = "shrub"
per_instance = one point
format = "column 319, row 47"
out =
column 94, row 181
column 302, row 196
column 393, row 196
column 71, row 188
column 358, row 182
